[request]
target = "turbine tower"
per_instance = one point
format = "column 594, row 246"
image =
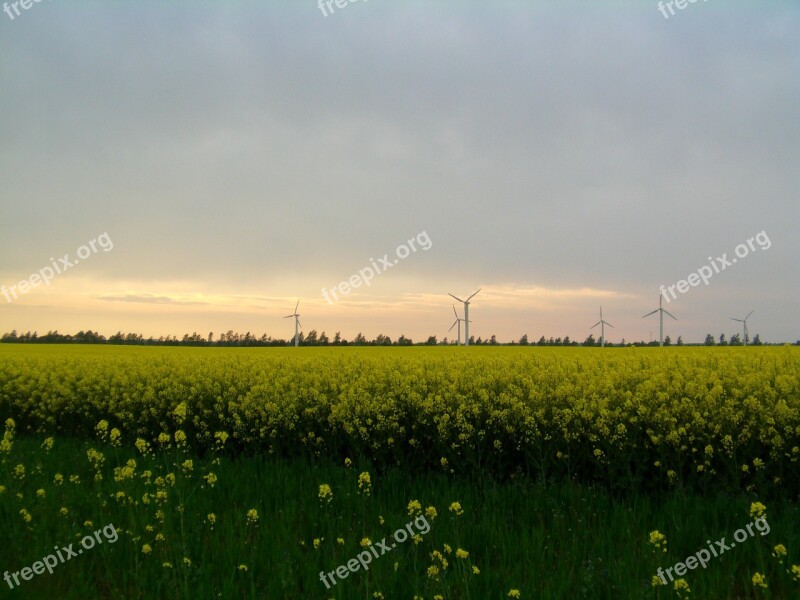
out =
column 744, row 323
column 661, row 319
column 602, row 324
column 296, row 323
column 466, row 315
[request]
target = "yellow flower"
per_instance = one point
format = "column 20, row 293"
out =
column 475, row 570
column 40, row 493
column 681, row 587
column 364, row 483
column 455, row 507
column 88, row 524
column 146, row 549
column 317, row 543
column 340, row 541
column 164, row 439
column 167, row 565
column 19, row 472
column 659, row 540
column 211, row 479
column 365, row 542
column 431, row 512
column 160, row 537
column 779, row 552
column 180, row 437
column 448, row 549
column 25, row 515
column 2, row 489
column 211, row 518
column 433, row 571
column 115, row 437
column 347, row 462
column 380, row 520
column 74, row 479
column 757, row 510
column 414, row 508
column 141, row 445
column 796, row 572
column 48, row 444
column 656, row 581
column 462, row 553
column 243, row 568
column 325, row 493
column 252, row 516
column 513, row 594
column 187, row 561
column 187, row 465
column 759, row 580
column 221, row 437
column 443, row 461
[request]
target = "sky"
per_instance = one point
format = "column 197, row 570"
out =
column 228, row 160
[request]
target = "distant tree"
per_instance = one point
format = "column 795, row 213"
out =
column 472, row 339
column 541, row 342
column 757, row 341
column 383, row 340
column 404, row 341
column 523, row 341
column 722, row 341
column 566, row 341
column 680, row 341
column 667, row 341
column 323, row 339
column 337, row 339
column 360, row 340
column 736, row 340
column 493, row 340
column 478, row 342
column 431, row 341
column 590, row 341
column 709, row 340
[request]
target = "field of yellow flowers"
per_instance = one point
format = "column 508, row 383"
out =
column 552, row 473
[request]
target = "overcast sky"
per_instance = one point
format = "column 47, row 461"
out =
column 242, row 156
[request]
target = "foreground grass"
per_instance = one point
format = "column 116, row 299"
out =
column 547, row 541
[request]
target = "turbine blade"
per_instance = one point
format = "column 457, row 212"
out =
column 669, row 313
column 473, row 295
column 595, row 325
column 748, row 316
column 451, row 327
column 457, row 298
column 740, row 320
column 609, row 324
column 651, row 313
column 454, row 311
column 288, row 316
column 296, row 305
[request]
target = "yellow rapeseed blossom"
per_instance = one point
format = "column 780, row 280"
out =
column 325, row 493
column 796, row 572
column 26, row 516
column 659, row 540
column 514, row 594
column 759, row 580
column 365, row 542
column 455, row 507
column 40, row 493
column 757, row 510
column 475, row 570
column 462, row 553
column 431, row 512
column 681, row 587
column 414, row 508
column 146, row 549
column 779, row 552
column 252, row 516
column 364, row 484
column 243, row 568
column 211, row 479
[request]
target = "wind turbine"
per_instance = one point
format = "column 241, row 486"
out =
column 744, row 323
column 296, row 323
column 661, row 318
column 456, row 322
column 602, row 324
column 466, row 316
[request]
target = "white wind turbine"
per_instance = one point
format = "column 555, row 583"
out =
column 744, row 323
column 456, row 322
column 466, row 316
column 602, row 324
column 296, row 323
column 661, row 318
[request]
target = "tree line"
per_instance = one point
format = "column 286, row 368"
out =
column 312, row 338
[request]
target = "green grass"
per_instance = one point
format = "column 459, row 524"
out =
column 548, row 541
